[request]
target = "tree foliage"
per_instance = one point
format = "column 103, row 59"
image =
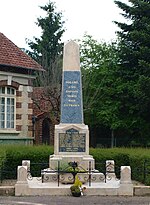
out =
column 99, row 64
column 47, row 50
column 116, row 77
column 134, row 52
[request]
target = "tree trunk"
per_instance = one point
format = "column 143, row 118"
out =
column 112, row 138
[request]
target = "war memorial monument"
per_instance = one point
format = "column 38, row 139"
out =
column 71, row 145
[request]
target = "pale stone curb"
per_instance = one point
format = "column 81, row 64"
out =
column 137, row 190
column 7, row 190
column 141, row 190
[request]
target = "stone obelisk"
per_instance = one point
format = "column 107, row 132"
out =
column 71, row 140
column 71, row 101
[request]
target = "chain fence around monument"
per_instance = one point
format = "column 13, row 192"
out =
column 7, row 172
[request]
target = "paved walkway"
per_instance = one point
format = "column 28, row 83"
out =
column 69, row 200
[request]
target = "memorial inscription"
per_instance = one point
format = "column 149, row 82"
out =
column 71, row 102
column 72, row 141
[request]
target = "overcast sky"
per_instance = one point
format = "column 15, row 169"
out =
column 18, row 17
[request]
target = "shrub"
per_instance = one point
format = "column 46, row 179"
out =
column 137, row 158
column 38, row 156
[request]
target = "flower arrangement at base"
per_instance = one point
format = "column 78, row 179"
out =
column 76, row 188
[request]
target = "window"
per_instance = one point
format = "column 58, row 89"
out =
column 7, row 108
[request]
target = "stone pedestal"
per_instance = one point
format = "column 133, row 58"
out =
column 71, row 144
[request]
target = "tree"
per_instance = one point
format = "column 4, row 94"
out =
column 100, row 96
column 134, row 52
column 47, row 50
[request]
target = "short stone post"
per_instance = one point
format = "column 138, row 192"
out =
column 22, row 184
column 26, row 163
column 22, row 174
column 125, row 175
column 110, row 170
column 126, row 186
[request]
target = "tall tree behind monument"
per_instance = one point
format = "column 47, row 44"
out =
column 134, row 71
column 47, row 50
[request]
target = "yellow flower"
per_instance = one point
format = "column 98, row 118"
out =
column 77, row 181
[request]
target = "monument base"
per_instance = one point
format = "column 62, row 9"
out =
column 83, row 162
column 71, row 147
column 49, row 185
column 71, row 144
column 85, row 167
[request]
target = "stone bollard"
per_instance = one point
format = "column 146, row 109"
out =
column 26, row 163
column 21, row 187
column 110, row 166
column 22, row 174
column 125, row 175
column 110, row 171
column 126, row 186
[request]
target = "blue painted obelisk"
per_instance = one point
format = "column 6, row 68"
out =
column 71, row 98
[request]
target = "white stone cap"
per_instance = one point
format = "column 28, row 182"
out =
column 123, row 167
column 71, row 57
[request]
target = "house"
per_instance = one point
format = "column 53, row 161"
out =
column 46, row 111
column 17, row 71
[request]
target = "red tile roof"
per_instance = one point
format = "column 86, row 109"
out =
column 11, row 55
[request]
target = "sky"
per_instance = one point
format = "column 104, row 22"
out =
column 95, row 17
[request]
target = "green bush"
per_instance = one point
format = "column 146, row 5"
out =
column 38, row 156
column 137, row 158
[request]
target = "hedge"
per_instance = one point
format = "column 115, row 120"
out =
column 38, row 156
column 137, row 158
